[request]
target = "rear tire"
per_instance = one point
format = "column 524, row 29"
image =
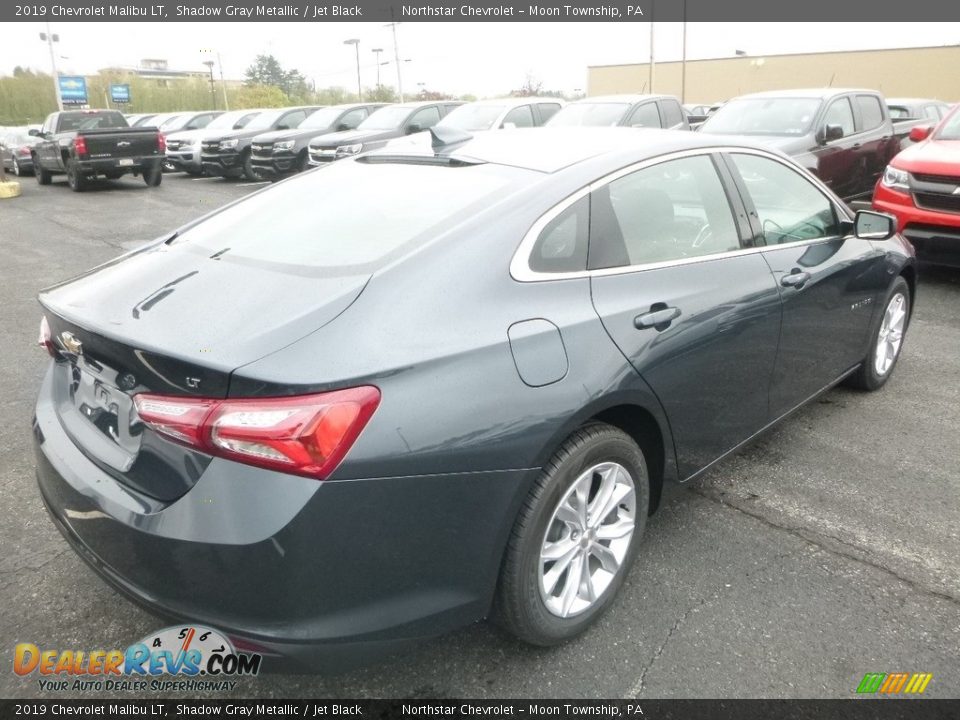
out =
column 16, row 167
column 545, row 600
column 43, row 176
column 887, row 335
column 75, row 179
column 153, row 176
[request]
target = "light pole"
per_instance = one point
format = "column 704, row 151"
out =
column 356, row 46
column 396, row 59
column 213, row 92
column 51, row 39
column 223, row 82
column 377, row 51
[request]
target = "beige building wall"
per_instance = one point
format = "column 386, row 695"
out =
column 932, row 72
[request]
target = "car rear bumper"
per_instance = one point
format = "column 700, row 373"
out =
column 117, row 165
column 317, row 573
column 934, row 233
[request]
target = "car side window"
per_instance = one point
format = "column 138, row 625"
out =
column 292, row 119
column 672, row 114
column 931, row 112
column 519, row 117
column 200, row 121
column 645, row 115
column 674, row 210
column 789, row 207
column 548, row 110
column 840, row 113
column 354, row 118
column 425, row 118
column 871, row 114
column 562, row 245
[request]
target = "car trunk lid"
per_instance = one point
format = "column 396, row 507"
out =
column 120, row 143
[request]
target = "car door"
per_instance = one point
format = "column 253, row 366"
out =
column 828, row 279
column 46, row 144
column 837, row 160
column 644, row 115
column 690, row 305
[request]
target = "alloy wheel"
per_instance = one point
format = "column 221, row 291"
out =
column 891, row 334
column 587, row 539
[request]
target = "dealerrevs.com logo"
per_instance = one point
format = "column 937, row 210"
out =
column 199, row 657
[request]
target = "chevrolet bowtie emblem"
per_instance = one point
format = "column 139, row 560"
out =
column 70, row 343
column 123, row 143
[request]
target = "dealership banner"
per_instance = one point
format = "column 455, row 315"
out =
column 453, row 10
column 446, row 708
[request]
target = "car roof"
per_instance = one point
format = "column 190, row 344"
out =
column 549, row 149
column 517, row 101
column 913, row 101
column 816, row 93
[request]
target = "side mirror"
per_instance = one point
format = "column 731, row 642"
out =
column 920, row 132
column 343, row 127
column 413, row 128
column 509, row 126
column 869, row 225
column 283, row 127
column 832, row 132
column 33, row 132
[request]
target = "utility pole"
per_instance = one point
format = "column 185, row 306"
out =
column 213, row 92
column 683, row 64
column 653, row 10
column 377, row 52
column 356, row 46
column 223, row 83
column 396, row 59
column 51, row 39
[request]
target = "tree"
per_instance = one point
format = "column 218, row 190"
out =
column 425, row 94
column 260, row 96
column 266, row 70
column 532, row 86
column 382, row 93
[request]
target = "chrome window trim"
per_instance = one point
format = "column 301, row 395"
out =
column 520, row 264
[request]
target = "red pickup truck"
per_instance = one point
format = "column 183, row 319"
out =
column 921, row 187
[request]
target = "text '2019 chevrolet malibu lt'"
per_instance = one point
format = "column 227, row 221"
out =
column 381, row 401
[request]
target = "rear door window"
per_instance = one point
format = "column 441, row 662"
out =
column 672, row 114
column 871, row 112
column 671, row 211
column 562, row 244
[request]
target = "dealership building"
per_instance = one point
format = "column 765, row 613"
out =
column 928, row 72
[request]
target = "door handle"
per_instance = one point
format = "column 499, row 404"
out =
column 659, row 317
column 857, row 146
column 796, row 279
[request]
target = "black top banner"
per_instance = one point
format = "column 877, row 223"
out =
column 459, row 11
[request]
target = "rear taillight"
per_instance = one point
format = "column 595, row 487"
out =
column 303, row 435
column 161, row 143
column 46, row 339
column 80, row 145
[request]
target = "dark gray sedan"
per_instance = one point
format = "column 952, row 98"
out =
column 418, row 388
column 15, row 151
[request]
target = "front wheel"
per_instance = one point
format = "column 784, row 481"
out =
column 575, row 537
column 888, row 335
column 17, row 170
column 249, row 172
column 43, row 176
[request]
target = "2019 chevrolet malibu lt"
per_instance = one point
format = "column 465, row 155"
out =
column 382, row 401
column 636, row 111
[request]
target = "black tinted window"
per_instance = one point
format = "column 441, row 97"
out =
column 672, row 114
column 871, row 114
column 671, row 211
column 645, row 115
column 789, row 206
column 91, row 121
column 562, row 244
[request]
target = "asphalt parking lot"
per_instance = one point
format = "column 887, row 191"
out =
column 827, row 549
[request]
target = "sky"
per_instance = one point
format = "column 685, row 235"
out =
column 483, row 59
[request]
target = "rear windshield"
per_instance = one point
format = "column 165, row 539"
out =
column 91, row 121
column 351, row 217
column 590, row 114
column 763, row 116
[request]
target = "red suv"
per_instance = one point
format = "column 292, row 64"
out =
column 921, row 187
